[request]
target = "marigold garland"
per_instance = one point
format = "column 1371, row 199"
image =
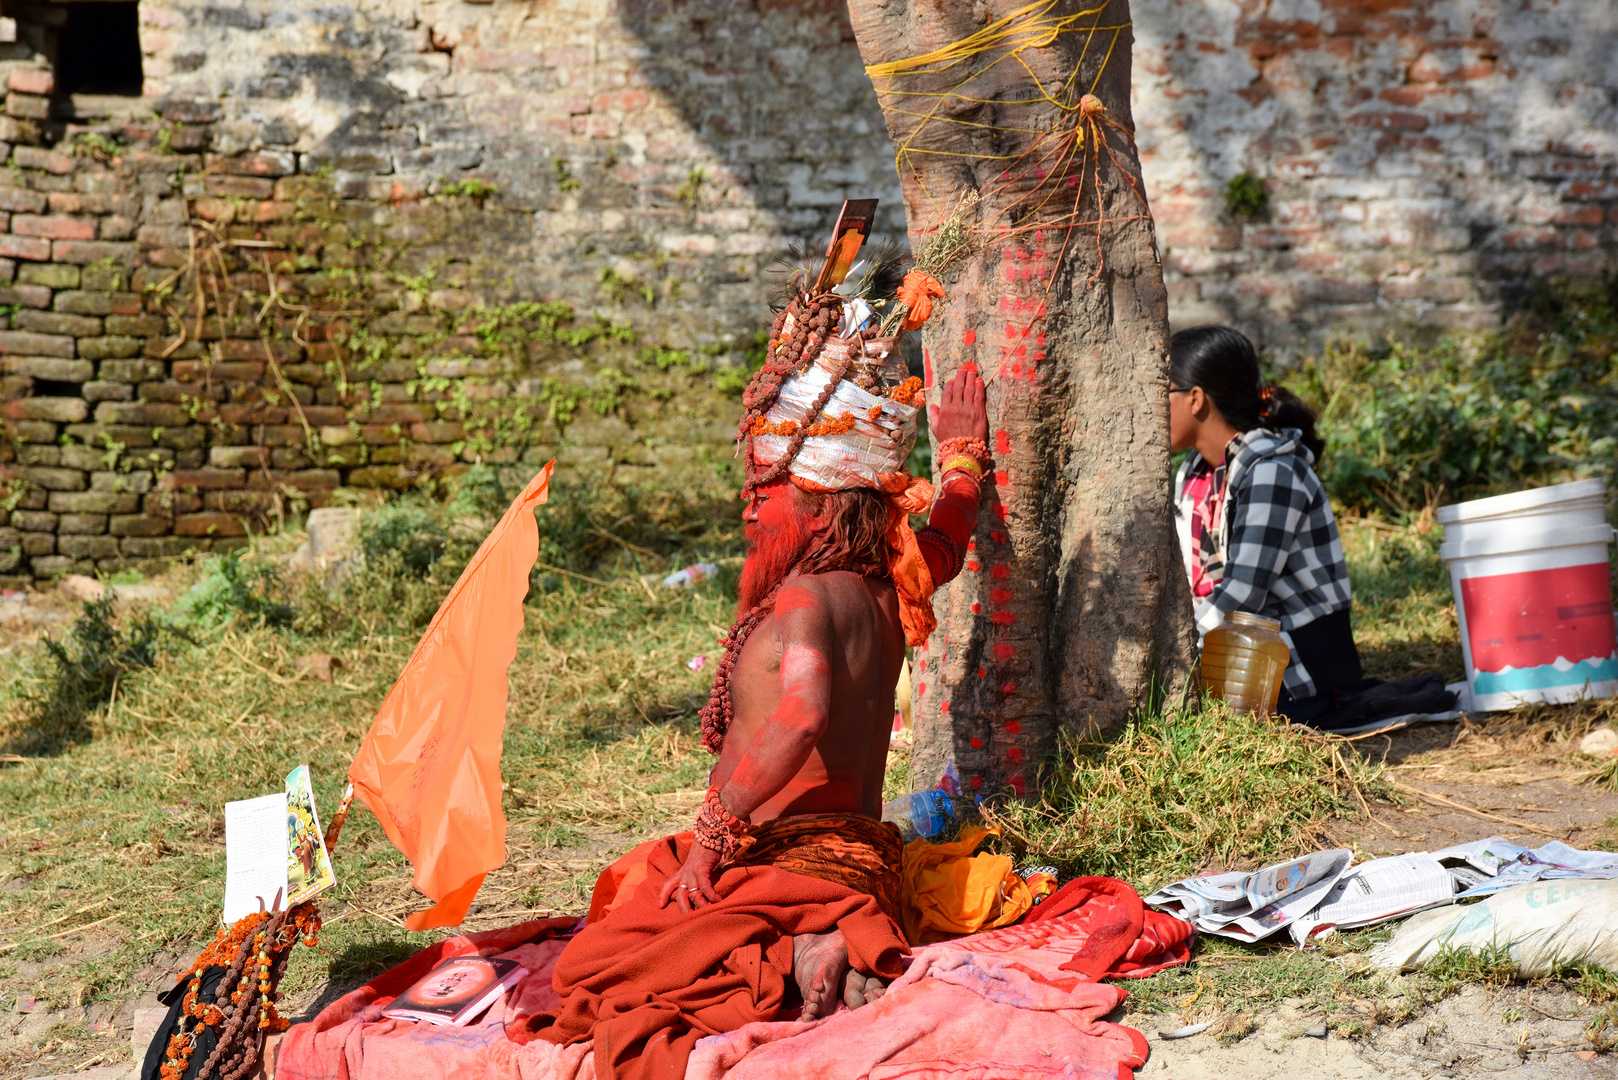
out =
column 257, row 948
column 838, row 426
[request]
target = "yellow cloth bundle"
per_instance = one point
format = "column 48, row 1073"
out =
column 947, row 891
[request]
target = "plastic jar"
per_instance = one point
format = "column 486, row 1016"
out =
column 1243, row 661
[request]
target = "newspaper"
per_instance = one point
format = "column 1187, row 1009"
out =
column 1378, row 890
column 1520, row 865
column 1252, row 906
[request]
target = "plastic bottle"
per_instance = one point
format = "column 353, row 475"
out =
column 691, row 576
column 1243, row 661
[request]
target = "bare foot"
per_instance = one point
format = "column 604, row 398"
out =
column 819, row 962
column 861, row 989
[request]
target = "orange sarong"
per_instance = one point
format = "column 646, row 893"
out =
column 646, row 982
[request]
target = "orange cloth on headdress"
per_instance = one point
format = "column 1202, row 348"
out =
column 918, row 290
column 911, row 579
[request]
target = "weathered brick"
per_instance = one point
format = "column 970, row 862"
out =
column 382, row 476
column 31, row 431
column 61, row 410
column 53, row 228
column 151, row 414
column 110, row 347
column 137, row 325
column 131, row 371
column 88, row 524
column 34, row 296
column 57, row 322
column 56, row 369
column 244, row 187
column 209, row 523
column 203, row 479
column 83, row 458
column 34, row 521
column 53, row 479
column 30, row 157
column 25, row 247
column 20, row 200
column 97, row 303
column 32, row 81
column 156, row 547
column 269, row 163
column 302, row 479
column 441, row 431
column 199, row 370
column 39, row 454
column 234, row 457
column 101, row 390
column 81, row 252
column 134, row 482
column 93, row 502
column 88, row 546
column 23, row 343
column 28, row 107
column 50, row 275
column 138, row 525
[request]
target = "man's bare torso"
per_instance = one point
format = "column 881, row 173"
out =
column 844, row 771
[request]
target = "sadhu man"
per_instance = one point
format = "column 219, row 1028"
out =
column 787, row 887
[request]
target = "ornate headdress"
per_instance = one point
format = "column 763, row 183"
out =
column 834, row 408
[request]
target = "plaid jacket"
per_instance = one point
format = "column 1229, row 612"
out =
column 1277, row 540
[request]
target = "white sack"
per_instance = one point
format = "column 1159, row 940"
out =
column 1544, row 923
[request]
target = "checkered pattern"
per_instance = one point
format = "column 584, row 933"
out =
column 1277, row 540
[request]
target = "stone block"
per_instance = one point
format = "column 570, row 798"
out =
column 109, row 347
column 191, row 371
column 57, row 322
column 94, row 502
column 34, row 296
column 25, row 247
column 156, row 547
column 60, row 410
column 264, row 163
column 138, row 525
column 106, row 279
column 39, row 543
column 32, row 157
column 243, row 187
column 85, row 458
column 56, row 369
column 51, row 276
column 33, row 521
column 209, row 523
column 39, row 454
column 150, row 414
column 88, row 545
column 53, row 228
column 82, row 252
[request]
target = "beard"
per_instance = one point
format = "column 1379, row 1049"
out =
column 771, row 557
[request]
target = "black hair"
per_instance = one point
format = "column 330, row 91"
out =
column 1223, row 363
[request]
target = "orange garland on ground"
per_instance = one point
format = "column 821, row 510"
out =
column 257, row 979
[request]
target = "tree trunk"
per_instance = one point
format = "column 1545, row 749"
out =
column 1073, row 606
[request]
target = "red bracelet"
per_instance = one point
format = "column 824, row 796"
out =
column 717, row 829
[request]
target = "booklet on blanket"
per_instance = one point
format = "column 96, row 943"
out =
column 457, row 990
column 274, row 847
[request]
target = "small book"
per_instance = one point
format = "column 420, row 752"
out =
column 274, row 850
column 457, row 990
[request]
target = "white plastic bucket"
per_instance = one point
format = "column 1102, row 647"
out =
column 1533, row 595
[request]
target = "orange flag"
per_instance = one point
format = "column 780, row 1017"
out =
column 429, row 768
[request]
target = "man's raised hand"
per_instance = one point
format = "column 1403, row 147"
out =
column 962, row 414
column 692, row 887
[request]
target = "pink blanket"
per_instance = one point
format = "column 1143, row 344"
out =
column 999, row 1005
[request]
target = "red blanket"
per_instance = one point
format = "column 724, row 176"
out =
column 647, row 982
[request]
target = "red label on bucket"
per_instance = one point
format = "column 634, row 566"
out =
column 1539, row 616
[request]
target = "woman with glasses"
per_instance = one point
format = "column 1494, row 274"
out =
column 1255, row 526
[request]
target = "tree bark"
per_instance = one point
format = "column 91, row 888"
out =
column 1073, row 607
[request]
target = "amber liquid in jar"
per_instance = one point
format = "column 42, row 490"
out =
column 1243, row 661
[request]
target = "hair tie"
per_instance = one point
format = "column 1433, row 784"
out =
column 1266, row 402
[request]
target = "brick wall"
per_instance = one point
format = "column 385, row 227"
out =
column 1422, row 158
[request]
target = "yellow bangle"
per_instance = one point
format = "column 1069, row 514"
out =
column 963, row 462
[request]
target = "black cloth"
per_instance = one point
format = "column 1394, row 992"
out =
column 1326, row 647
column 174, row 998
column 1367, row 701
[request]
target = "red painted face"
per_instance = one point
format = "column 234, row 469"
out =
column 779, row 534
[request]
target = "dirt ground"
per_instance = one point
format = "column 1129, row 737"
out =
column 1517, row 777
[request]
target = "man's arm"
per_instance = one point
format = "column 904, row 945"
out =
column 962, row 414
column 783, row 745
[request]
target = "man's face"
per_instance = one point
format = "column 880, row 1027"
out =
column 779, row 530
